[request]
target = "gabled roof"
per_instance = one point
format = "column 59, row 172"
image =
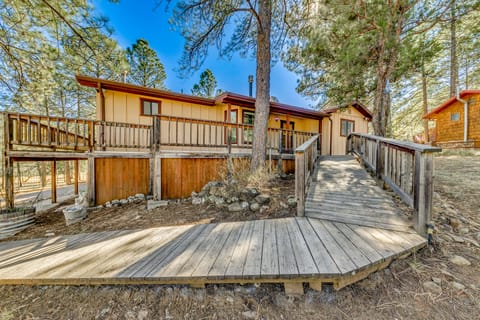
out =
column 357, row 105
column 449, row 102
column 226, row 97
column 151, row 92
column 249, row 102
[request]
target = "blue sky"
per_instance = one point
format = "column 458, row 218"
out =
column 134, row 19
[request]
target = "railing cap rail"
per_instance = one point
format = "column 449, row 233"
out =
column 404, row 144
column 306, row 144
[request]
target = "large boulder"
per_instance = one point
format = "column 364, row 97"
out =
column 262, row 199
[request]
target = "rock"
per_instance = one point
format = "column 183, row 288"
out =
column 152, row 204
column 234, row 199
column 219, row 202
column 115, row 202
column 254, row 207
column 283, row 204
column 459, row 261
column 202, row 194
column 149, row 197
column 458, row 286
column 262, row 199
column 291, row 202
column 245, row 205
column 140, row 196
column 131, row 199
column 454, row 222
column 264, row 208
column 432, row 287
column 142, row 314
column 249, row 314
column 248, row 194
column 49, row 234
column 197, row 200
column 235, row 207
column 213, row 190
column 437, row 280
column 108, row 204
column 193, row 194
column 463, row 230
column 123, row 202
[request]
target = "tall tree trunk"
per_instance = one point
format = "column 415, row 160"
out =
column 262, row 102
column 425, row 103
column 453, row 52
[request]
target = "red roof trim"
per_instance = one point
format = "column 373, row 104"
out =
column 447, row 103
column 144, row 91
column 357, row 105
column 249, row 102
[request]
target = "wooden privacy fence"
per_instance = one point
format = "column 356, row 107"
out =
column 305, row 159
column 407, row 168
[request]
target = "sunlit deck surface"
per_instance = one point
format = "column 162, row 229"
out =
column 351, row 230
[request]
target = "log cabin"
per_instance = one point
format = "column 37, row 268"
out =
column 457, row 121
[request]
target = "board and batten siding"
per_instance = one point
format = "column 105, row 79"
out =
column 339, row 142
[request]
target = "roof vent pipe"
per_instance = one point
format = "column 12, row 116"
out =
column 250, row 85
column 465, row 116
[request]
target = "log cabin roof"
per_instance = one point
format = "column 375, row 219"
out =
column 226, row 97
column 355, row 104
column 449, row 102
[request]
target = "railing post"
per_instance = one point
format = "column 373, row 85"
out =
column 423, row 191
column 300, row 182
column 379, row 161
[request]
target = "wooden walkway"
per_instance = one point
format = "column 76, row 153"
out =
column 342, row 191
column 292, row 251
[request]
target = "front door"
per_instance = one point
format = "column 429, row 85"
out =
column 287, row 136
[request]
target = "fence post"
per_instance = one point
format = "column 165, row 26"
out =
column 300, row 182
column 91, row 181
column 423, row 191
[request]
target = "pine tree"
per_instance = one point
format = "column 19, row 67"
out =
column 145, row 66
column 207, row 86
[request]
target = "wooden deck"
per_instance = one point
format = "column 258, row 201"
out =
column 343, row 191
column 343, row 240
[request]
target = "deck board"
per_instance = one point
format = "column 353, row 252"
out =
column 352, row 228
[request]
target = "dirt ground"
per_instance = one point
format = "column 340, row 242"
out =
column 397, row 292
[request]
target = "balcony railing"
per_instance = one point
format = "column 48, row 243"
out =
column 166, row 132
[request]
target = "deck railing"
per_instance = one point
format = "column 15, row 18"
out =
column 181, row 131
column 407, row 168
column 61, row 133
column 305, row 159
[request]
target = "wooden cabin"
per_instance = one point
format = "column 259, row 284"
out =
column 457, row 121
column 188, row 123
column 342, row 121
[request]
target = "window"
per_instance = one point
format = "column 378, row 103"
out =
column 455, row 116
column 233, row 131
column 346, row 127
column 150, row 107
column 248, row 118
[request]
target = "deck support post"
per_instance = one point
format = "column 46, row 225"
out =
column 379, row 160
column 8, row 178
column 157, row 177
column 75, row 178
column 423, row 191
column 91, row 181
column 293, row 288
column 53, row 173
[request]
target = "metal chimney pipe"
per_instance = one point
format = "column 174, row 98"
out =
column 250, row 85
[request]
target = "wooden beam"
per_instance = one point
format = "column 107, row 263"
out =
column 91, row 181
column 293, row 288
column 75, row 177
column 53, row 172
column 157, row 178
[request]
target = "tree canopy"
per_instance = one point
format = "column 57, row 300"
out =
column 146, row 69
column 207, row 85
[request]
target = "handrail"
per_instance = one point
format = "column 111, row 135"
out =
column 406, row 167
column 305, row 159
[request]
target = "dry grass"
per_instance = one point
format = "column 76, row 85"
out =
column 239, row 170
